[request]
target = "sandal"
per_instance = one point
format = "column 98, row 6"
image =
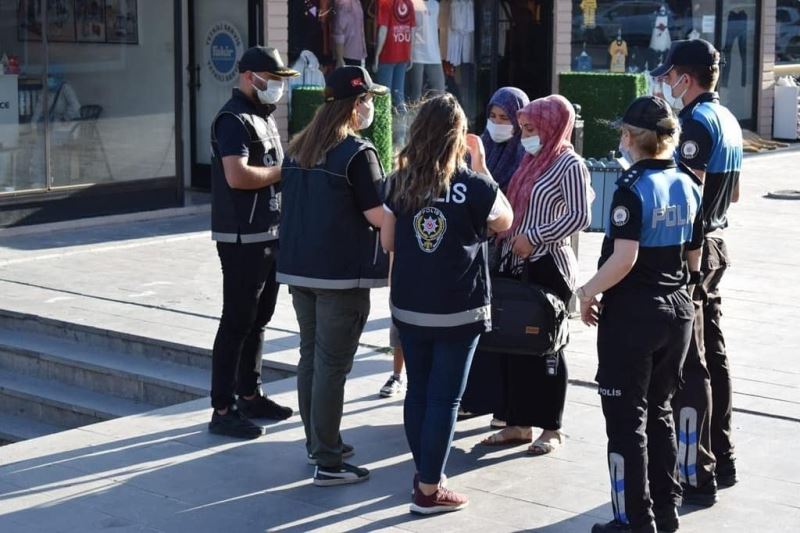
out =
column 543, row 447
column 496, row 440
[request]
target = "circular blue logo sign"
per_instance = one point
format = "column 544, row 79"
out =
column 223, row 47
column 223, row 53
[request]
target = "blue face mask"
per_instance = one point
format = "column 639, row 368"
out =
column 53, row 83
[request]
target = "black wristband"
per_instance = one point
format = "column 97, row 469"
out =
column 696, row 277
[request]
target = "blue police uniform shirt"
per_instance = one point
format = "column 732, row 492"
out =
column 711, row 141
column 440, row 275
column 658, row 204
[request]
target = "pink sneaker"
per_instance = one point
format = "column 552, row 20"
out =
column 442, row 501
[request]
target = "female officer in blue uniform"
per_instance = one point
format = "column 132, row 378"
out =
column 645, row 319
column 438, row 216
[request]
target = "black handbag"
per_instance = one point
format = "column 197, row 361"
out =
column 527, row 319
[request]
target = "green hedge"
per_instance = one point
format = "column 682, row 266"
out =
column 306, row 99
column 603, row 97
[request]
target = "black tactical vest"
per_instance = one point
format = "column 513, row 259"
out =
column 246, row 216
column 326, row 242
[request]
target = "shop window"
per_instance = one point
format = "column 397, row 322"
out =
column 633, row 36
column 787, row 38
column 96, row 105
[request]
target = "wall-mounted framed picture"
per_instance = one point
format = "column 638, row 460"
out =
column 29, row 20
column 122, row 22
column 61, row 21
column 90, row 21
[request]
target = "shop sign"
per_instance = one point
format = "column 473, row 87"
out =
column 223, row 47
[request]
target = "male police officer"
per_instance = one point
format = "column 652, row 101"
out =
column 245, row 176
column 711, row 145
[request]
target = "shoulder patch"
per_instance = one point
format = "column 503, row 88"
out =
column 629, row 177
column 689, row 149
column 620, row 216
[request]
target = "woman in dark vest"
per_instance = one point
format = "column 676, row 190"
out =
column 331, row 257
column 438, row 217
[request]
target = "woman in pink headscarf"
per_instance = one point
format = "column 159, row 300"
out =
column 550, row 193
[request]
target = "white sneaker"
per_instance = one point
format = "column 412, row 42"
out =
column 393, row 387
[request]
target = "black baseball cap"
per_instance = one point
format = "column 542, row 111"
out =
column 646, row 112
column 688, row 52
column 349, row 81
column 265, row 59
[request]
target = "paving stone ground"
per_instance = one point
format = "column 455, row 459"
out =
column 161, row 471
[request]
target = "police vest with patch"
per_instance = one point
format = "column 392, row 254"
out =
column 670, row 199
column 440, row 276
column 326, row 242
column 246, row 216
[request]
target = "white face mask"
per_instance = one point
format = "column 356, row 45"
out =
column 675, row 101
column 499, row 133
column 531, row 144
column 272, row 94
column 626, row 154
column 365, row 121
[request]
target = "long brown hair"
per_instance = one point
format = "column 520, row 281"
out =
column 437, row 146
column 332, row 123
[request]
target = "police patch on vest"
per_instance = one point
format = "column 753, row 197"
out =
column 429, row 226
column 689, row 150
column 620, row 216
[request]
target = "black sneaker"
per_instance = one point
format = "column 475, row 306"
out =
column 328, row 476
column 234, row 424
column 704, row 496
column 726, row 474
column 263, row 407
column 347, row 451
column 619, row 527
column 667, row 521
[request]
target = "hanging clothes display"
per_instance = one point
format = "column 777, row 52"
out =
column 460, row 48
column 618, row 50
column 735, row 32
column 660, row 41
column 589, row 8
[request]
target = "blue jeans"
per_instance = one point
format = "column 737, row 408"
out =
column 393, row 76
column 437, row 373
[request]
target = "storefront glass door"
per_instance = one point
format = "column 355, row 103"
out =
column 219, row 33
column 737, row 43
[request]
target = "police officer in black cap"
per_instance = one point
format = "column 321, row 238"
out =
column 711, row 145
column 245, row 213
column 331, row 256
column 645, row 319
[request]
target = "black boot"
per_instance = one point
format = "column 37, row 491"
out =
column 619, row 527
column 704, row 496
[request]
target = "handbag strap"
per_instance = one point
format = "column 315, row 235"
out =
column 505, row 264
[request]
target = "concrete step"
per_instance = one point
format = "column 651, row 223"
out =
column 125, row 344
column 17, row 428
column 59, row 404
column 112, row 341
column 98, row 369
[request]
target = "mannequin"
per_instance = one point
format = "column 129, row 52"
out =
column 660, row 40
column 350, row 47
column 425, row 55
column 396, row 21
column 618, row 50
